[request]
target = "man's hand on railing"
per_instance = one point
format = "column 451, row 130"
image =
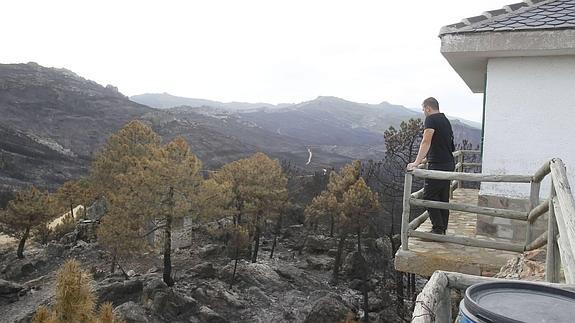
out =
column 415, row 164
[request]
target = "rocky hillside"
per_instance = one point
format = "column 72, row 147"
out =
column 52, row 123
column 61, row 108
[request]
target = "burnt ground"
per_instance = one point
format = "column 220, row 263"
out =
column 290, row 287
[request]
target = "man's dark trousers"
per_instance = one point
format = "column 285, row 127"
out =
column 438, row 190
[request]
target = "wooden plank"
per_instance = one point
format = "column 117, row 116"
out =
column 469, row 151
column 565, row 215
column 466, row 241
column 565, row 250
column 500, row 213
column 433, row 304
column 470, row 177
column 542, row 172
column 463, row 281
column 533, row 202
column 553, row 258
column 538, row 211
column 415, row 223
column 537, row 243
column 472, row 164
column 458, row 166
column 406, row 211
column 418, row 194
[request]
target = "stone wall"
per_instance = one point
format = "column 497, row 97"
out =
column 513, row 230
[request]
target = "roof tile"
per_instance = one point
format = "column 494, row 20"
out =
column 527, row 15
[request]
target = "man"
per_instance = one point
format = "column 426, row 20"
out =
column 437, row 145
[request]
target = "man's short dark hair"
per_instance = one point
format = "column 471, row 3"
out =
column 431, row 102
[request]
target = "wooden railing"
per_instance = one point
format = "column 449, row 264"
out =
column 559, row 237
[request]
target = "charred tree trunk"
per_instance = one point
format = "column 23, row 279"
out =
column 20, row 251
column 235, row 266
column 256, row 244
column 273, row 247
column 167, row 274
column 359, row 241
column 337, row 264
column 113, row 265
column 399, row 293
column 365, row 302
column 331, row 225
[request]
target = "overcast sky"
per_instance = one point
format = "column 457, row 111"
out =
column 254, row 51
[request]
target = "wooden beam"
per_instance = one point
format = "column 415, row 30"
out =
column 415, row 223
column 538, row 211
column 500, row 213
column 565, row 251
column 542, row 172
column 418, row 194
column 433, row 304
column 537, row 243
column 533, row 202
column 472, row 164
column 406, row 211
column 458, row 166
column 470, row 177
column 466, row 241
column 565, row 215
column 553, row 258
column 468, row 151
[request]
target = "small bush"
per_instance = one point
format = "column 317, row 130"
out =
column 75, row 299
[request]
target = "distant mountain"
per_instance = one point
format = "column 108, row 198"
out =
column 165, row 100
column 53, row 121
column 219, row 137
column 326, row 120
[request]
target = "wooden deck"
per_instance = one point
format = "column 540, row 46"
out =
column 425, row 257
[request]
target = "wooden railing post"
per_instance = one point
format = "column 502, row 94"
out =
column 564, row 207
column 552, row 262
column 460, row 162
column 533, row 202
column 406, row 210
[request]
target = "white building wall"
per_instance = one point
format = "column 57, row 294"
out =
column 529, row 118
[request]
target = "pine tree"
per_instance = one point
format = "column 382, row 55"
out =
column 331, row 201
column 115, row 175
column 27, row 211
column 259, row 192
column 358, row 203
column 239, row 242
column 174, row 181
column 74, row 193
column 323, row 207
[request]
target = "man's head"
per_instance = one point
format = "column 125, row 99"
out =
column 430, row 106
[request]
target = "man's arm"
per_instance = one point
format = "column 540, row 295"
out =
column 423, row 148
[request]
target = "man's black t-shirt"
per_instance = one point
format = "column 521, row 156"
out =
column 442, row 147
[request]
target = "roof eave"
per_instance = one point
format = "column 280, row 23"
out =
column 468, row 53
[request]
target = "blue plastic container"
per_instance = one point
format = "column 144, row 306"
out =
column 513, row 302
